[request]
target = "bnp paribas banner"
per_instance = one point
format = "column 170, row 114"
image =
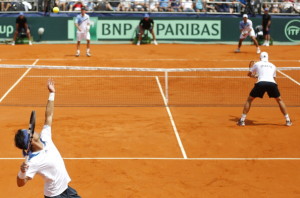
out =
column 201, row 29
column 164, row 29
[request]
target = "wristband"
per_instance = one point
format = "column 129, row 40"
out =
column 51, row 96
column 21, row 175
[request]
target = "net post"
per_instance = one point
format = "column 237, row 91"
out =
column 166, row 88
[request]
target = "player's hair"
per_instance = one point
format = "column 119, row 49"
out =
column 19, row 140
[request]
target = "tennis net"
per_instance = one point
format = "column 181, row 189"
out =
column 25, row 85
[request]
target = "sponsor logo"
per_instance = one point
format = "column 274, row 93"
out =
column 292, row 30
column 6, row 30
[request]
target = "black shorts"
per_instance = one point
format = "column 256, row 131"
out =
column 149, row 29
column 265, row 32
column 261, row 87
column 68, row 193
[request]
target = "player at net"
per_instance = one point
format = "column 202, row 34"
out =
column 43, row 157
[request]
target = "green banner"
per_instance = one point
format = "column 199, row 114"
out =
column 213, row 29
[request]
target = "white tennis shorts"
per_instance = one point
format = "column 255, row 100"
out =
column 251, row 33
column 83, row 36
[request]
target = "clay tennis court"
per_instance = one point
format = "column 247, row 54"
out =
column 149, row 150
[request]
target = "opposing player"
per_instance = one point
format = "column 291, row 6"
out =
column 82, row 23
column 265, row 72
column 44, row 158
column 246, row 29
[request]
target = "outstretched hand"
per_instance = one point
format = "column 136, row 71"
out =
column 51, row 85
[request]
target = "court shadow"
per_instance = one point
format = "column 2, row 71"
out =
column 253, row 122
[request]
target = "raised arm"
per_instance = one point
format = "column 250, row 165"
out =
column 50, row 103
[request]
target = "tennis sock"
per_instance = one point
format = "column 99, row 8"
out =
column 88, row 50
column 243, row 118
column 287, row 117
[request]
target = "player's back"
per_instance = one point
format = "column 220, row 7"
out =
column 265, row 70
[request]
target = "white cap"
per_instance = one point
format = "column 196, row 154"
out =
column 245, row 16
column 264, row 56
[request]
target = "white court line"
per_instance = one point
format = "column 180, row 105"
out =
column 158, row 59
column 289, row 77
column 130, row 76
column 158, row 158
column 172, row 120
column 17, row 82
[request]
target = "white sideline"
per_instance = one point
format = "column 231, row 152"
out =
column 17, row 82
column 289, row 77
column 162, row 158
column 171, row 120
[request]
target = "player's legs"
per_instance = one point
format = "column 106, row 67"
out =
column 28, row 36
column 78, row 48
column 88, row 39
column 247, row 105
column 88, row 48
column 239, row 45
column 15, row 36
column 141, row 33
column 283, row 110
column 246, row 109
column 153, row 36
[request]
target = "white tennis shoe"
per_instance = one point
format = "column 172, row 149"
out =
column 237, row 50
column 241, row 122
column 288, row 123
column 77, row 54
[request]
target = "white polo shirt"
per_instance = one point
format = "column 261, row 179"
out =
column 265, row 71
column 49, row 164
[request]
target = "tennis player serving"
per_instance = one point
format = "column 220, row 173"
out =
column 43, row 157
column 265, row 72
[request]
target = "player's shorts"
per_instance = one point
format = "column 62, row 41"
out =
column 23, row 29
column 149, row 29
column 69, row 192
column 262, row 87
column 265, row 32
column 251, row 33
column 83, row 36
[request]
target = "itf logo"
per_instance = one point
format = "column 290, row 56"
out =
column 292, row 30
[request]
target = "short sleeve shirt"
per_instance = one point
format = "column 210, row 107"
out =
column 246, row 26
column 83, row 22
column 265, row 70
column 21, row 22
column 147, row 24
column 265, row 19
column 49, row 164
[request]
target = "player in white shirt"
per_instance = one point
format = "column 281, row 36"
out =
column 82, row 23
column 265, row 72
column 246, row 29
column 44, row 158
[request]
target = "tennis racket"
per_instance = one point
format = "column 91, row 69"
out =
column 251, row 63
column 31, row 132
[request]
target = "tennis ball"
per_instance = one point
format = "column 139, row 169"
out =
column 55, row 9
column 41, row 31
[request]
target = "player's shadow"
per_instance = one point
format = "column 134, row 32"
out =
column 253, row 122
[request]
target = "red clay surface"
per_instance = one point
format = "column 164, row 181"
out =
column 137, row 152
